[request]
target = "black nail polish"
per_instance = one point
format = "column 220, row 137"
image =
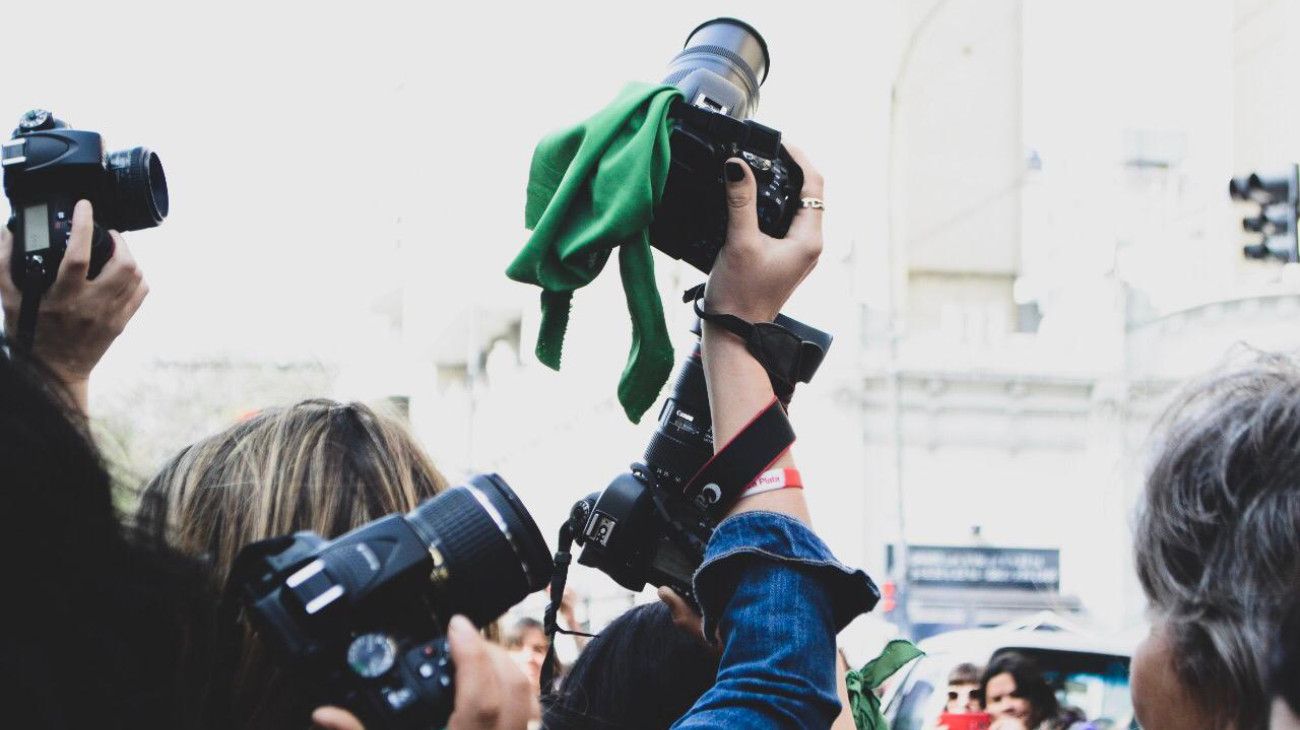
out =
column 735, row 171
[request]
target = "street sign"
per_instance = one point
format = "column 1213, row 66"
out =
column 983, row 567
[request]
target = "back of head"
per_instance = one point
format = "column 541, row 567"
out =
column 1217, row 539
column 96, row 616
column 640, row 672
column 316, row 465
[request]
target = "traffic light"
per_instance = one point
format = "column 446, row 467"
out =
column 1277, row 196
column 888, row 597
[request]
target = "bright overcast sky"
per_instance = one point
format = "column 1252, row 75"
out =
column 305, row 144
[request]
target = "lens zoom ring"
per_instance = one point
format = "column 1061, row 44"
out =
column 750, row 78
column 484, row 574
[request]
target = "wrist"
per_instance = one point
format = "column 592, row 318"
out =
column 78, row 394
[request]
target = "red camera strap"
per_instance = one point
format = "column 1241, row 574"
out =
column 720, row 482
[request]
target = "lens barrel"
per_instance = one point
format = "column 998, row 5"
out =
column 721, row 67
column 492, row 554
column 683, row 442
column 138, row 190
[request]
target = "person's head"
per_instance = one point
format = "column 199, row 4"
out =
column 316, row 465
column 1013, row 686
column 1217, row 547
column 642, row 671
column 964, row 693
column 526, row 641
column 97, row 615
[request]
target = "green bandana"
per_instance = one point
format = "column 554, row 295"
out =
column 590, row 189
column 863, row 683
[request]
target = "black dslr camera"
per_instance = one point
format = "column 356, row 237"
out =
column 48, row 167
column 719, row 72
column 360, row 620
column 653, row 523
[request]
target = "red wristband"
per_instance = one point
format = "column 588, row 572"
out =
column 772, row 480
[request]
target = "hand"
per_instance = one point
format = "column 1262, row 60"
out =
column 78, row 318
column 567, row 604
column 687, row 620
column 491, row 692
column 754, row 273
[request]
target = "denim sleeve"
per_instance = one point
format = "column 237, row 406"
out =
column 777, row 597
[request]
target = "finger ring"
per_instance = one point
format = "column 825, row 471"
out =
column 814, row 203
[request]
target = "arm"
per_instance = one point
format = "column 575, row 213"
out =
column 769, row 588
column 79, row 318
column 752, row 278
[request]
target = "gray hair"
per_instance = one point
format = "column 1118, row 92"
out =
column 1218, row 533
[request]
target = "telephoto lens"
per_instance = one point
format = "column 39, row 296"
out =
column 719, row 72
column 721, row 67
column 494, row 554
column 359, row 620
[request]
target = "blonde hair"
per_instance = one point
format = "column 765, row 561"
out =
column 317, row 465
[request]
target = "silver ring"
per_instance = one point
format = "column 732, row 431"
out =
column 814, row 203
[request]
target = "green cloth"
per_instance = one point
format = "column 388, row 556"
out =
column 863, row 683
column 592, row 188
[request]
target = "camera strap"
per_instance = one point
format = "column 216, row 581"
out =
column 33, row 290
column 786, row 356
column 720, row 482
column 550, row 622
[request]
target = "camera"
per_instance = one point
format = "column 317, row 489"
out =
column 719, row 71
column 653, row 522
column 359, row 621
column 48, row 167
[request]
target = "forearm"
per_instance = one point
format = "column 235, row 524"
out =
column 738, row 390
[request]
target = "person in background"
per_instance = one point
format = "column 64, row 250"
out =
column 1019, row 698
column 526, row 641
column 964, row 691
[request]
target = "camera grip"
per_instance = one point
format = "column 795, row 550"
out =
column 36, row 259
column 101, row 250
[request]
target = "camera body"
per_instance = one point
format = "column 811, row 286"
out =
column 48, row 167
column 360, row 620
column 691, row 221
column 719, row 71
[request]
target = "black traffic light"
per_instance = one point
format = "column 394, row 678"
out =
column 1277, row 196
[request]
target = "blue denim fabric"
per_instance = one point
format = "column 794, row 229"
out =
column 777, row 597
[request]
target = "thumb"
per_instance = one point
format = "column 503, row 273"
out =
column 742, row 212
column 333, row 718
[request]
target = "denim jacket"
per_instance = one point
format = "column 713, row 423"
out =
column 777, row 597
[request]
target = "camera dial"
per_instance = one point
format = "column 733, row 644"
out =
column 36, row 119
column 371, row 655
